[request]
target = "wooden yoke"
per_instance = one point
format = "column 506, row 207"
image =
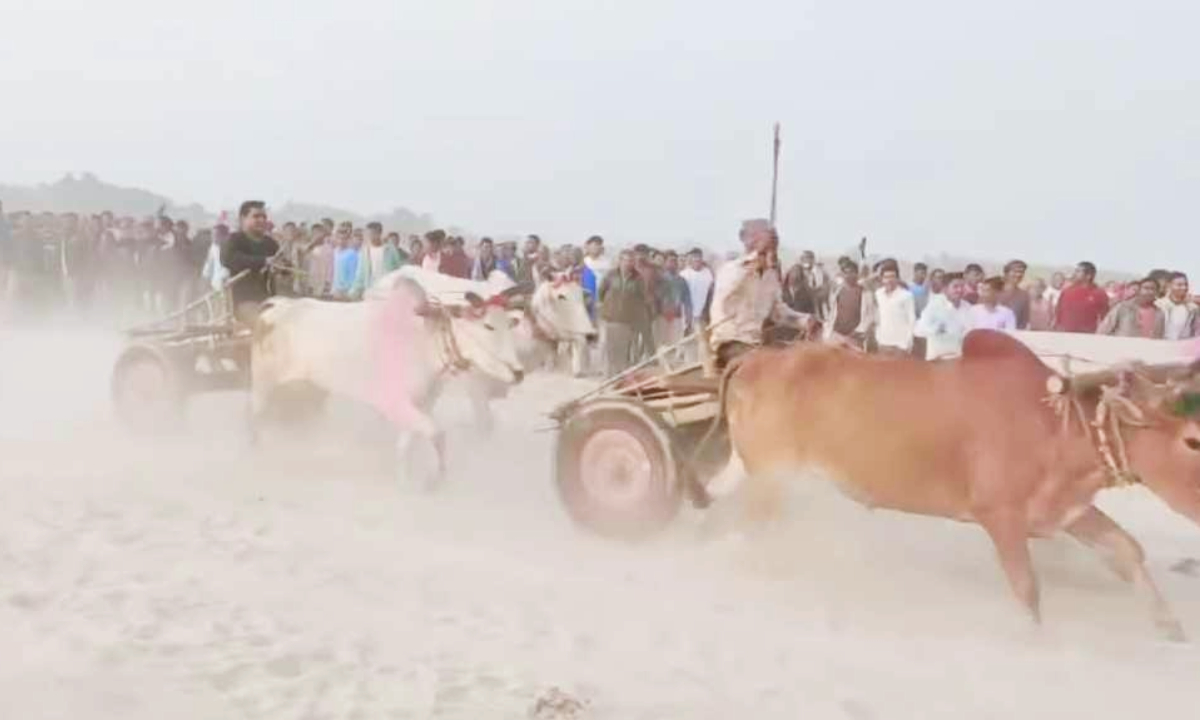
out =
column 1158, row 374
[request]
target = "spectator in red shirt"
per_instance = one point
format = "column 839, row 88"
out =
column 1082, row 304
column 455, row 262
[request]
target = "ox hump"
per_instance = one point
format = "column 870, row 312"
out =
column 995, row 345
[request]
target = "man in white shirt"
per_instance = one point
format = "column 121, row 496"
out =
column 988, row 313
column 433, row 251
column 896, row 312
column 747, row 292
column 945, row 320
column 699, row 281
column 1181, row 314
column 214, row 272
column 1057, row 282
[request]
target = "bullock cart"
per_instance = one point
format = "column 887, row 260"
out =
column 200, row 348
column 630, row 452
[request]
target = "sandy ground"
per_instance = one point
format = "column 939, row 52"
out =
column 194, row 578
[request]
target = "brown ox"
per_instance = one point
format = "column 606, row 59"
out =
column 994, row 452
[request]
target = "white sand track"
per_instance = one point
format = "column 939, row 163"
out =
column 193, row 578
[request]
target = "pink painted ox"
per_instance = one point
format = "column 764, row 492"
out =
column 393, row 351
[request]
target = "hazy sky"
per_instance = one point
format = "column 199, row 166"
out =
column 1050, row 129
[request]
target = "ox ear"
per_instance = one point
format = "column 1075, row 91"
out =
column 475, row 300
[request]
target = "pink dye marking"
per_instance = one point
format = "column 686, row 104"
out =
column 395, row 334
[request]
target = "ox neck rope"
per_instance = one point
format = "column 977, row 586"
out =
column 540, row 332
column 1113, row 410
column 453, row 361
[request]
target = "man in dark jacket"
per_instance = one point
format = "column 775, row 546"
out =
column 806, row 286
column 625, row 307
column 250, row 249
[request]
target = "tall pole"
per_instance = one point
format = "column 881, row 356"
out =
column 775, row 175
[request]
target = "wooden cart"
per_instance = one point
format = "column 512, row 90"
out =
column 200, row 348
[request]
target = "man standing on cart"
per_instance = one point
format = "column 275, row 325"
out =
column 250, row 249
column 748, row 292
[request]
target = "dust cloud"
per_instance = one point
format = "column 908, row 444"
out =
column 191, row 576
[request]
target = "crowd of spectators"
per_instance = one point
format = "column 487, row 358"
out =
column 644, row 298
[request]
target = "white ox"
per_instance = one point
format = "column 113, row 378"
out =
column 555, row 317
column 393, row 350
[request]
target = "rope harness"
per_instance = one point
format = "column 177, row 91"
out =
column 1114, row 411
column 453, row 360
column 539, row 330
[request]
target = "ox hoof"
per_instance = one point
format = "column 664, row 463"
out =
column 1171, row 630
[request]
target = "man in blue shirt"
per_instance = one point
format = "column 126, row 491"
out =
column 919, row 286
column 345, row 262
column 595, row 267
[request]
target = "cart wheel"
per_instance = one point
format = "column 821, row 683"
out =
column 145, row 392
column 616, row 470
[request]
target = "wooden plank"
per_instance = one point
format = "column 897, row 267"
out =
column 693, row 384
column 693, row 414
column 678, row 401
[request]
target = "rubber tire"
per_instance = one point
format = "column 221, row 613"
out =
column 660, row 504
column 168, row 416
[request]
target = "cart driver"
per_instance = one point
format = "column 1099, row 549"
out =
column 747, row 293
column 251, row 248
